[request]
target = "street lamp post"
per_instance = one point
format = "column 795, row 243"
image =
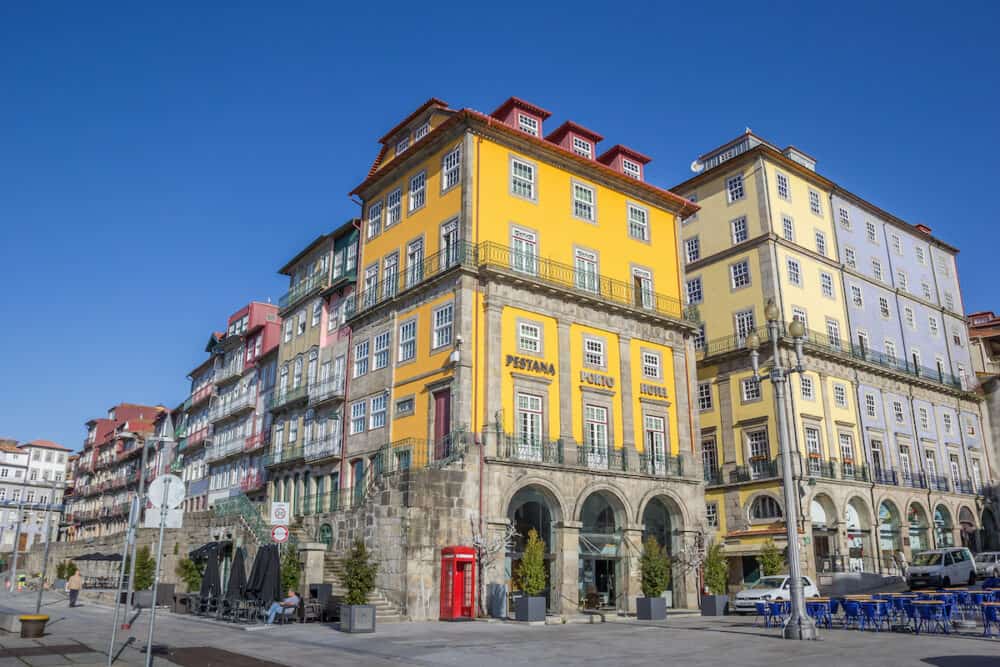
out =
column 799, row 624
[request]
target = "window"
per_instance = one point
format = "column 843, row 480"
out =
column 370, row 294
column 877, row 269
column 760, row 453
column 642, row 285
column 288, row 330
column 351, row 259
column 586, row 270
column 750, row 388
column 787, row 228
column 414, row 262
column 595, row 430
column 883, row 307
column 799, row 315
column 402, row 145
column 390, row 275
column 833, row 333
column 450, row 168
column 744, row 322
column 916, row 357
column 739, row 229
column 358, row 416
column 692, row 250
column 815, row 205
column 632, row 169
column 449, row 244
column 783, row 190
column 870, row 405
column 765, row 507
column 956, row 337
column 421, row 131
column 593, row 352
column 374, row 219
column 527, row 124
column 378, row 410
column 583, row 148
column 847, row 454
column 317, row 313
column 920, row 255
column 651, row 365
column 381, row 346
column 301, row 325
column 925, row 420
column 849, row 258
column 946, row 420
column 890, row 351
column 705, row 396
column 712, row 515
column 949, row 301
column 638, row 222
column 740, row 274
column 932, row 323
column 845, row 218
column 524, row 251
column 405, row 406
column 897, row 245
column 808, row 391
column 826, row 284
column 361, row 359
column 870, row 231
column 529, row 338
column 443, row 319
column 522, row 179
column 699, row 338
column 407, row 340
column 734, row 188
column 418, row 191
column 925, row 289
column 840, row 395
column 813, row 448
column 794, row 272
column 908, row 316
column 821, row 243
column 694, row 293
column 583, row 202
column 901, row 279
column 897, row 411
column 394, row 206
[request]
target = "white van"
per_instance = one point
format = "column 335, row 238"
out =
column 988, row 564
column 942, row 567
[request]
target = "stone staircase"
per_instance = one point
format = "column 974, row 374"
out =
column 333, row 571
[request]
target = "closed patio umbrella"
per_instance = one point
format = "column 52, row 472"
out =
column 236, row 589
column 211, row 584
column 255, row 582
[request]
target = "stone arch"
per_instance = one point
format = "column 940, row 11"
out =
column 661, row 517
column 990, row 530
column 969, row 531
column 748, row 506
column 548, row 488
column 831, row 518
column 533, row 504
column 677, row 504
column 617, row 499
column 944, row 526
column 918, row 527
column 890, row 526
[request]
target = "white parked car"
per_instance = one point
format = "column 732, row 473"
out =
column 988, row 564
column 942, row 567
column 769, row 589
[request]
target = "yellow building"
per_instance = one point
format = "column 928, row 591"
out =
column 519, row 318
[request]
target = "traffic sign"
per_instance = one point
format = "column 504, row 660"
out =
column 280, row 513
column 166, row 490
column 279, row 534
column 173, row 519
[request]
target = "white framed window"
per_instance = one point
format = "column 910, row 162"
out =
column 712, row 515
column 378, row 410
column 450, row 249
column 845, row 218
column 760, row 452
column 813, row 448
column 529, row 338
column 407, row 340
column 585, row 269
column 370, row 294
column 317, row 314
column 833, row 333
column 651, row 365
column 932, row 324
column 850, row 258
column 528, row 425
column 739, row 274
column 584, row 202
column 921, row 258
column 692, row 250
column 925, row 419
column 840, row 395
column 359, row 416
column 418, row 191
column 908, row 315
column 390, row 275
column 402, row 145
column 826, row 284
column 738, row 228
column 876, row 269
column 863, row 340
column 784, row 191
column 847, row 453
column 787, row 228
column 522, row 178
column 949, row 301
column 744, row 324
column 890, row 350
column 638, row 222
column 414, row 262
column 593, row 352
column 794, row 272
column 870, row 405
column 915, row 353
column 451, row 165
column 897, row 412
column 694, row 291
column 583, row 148
column 381, row 351
column 883, row 307
column 361, row 358
column 288, row 330
column 734, row 188
column 821, row 243
column 815, row 204
column 705, row 396
column 856, row 296
column 808, row 391
column 528, row 124
column 750, row 389
column 595, row 432
column 632, row 169
column 524, row 251
column 946, row 420
column 394, row 207
column 443, row 319
column 897, row 244
column 870, row 232
column 699, row 338
column 901, row 279
column 374, row 219
column 925, row 289
column 799, row 315
column 421, row 131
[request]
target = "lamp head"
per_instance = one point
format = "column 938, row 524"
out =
column 771, row 312
column 753, row 342
column 796, row 330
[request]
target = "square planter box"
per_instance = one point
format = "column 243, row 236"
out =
column 530, row 609
column 651, row 609
column 357, row 618
column 142, row 599
column 714, row 605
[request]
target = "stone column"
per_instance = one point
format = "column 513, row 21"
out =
column 630, row 448
column 726, row 436
column 494, row 373
column 566, row 569
column 687, row 446
column 565, row 386
column 630, row 586
column 311, row 555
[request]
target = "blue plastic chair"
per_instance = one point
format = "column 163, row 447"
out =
column 777, row 610
column 875, row 616
column 930, row 618
column 819, row 612
column 910, row 613
column 763, row 612
column 991, row 619
column 852, row 615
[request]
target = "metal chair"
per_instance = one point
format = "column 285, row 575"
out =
column 930, row 618
column 991, row 619
column 853, row 615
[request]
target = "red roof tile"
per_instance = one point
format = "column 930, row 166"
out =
column 520, row 104
column 47, row 444
column 569, row 126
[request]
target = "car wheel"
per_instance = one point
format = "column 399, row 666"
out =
column 972, row 578
column 946, row 582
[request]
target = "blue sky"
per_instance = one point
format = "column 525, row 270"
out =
column 157, row 165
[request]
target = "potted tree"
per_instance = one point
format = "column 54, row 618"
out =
column 654, row 568
column 356, row 615
column 716, row 572
column 771, row 559
column 530, row 607
column 145, row 566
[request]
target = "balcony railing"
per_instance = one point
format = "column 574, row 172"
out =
column 284, row 455
column 252, row 482
column 280, row 398
column 819, row 467
column 554, row 452
column 228, row 372
column 327, row 446
column 320, row 392
column 201, row 394
column 218, row 451
column 757, row 470
column 964, row 486
column 200, row 436
column 939, row 483
column 228, row 406
column 661, row 466
column 854, row 472
column 256, row 441
column 314, row 282
column 519, row 448
column 885, row 476
column 914, row 480
column 713, row 476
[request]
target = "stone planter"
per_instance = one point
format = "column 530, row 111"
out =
column 529, row 609
column 357, row 618
column 33, row 626
column 651, row 609
column 714, row 605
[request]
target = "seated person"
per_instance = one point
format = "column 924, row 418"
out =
column 286, row 606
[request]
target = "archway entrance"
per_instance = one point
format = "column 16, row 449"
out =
column 663, row 521
column 530, row 509
column 919, row 534
column 944, row 529
column 989, row 535
column 600, row 551
column 889, row 542
column 967, row 526
column 823, row 520
column 859, row 537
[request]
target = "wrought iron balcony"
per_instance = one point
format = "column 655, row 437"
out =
column 820, row 467
column 661, row 466
column 331, row 389
column 280, row 399
column 228, row 405
column 914, row 480
column 886, row 476
column 938, row 483
column 312, row 283
column 854, row 472
column 512, row 447
column 964, row 486
column 601, row 458
column 199, row 437
column 713, row 476
column 325, row 447
column 756, row 471
column 218, row 451
column 201, row 394
column 284, row 455
column 256, row 441
column 228, row 372
column 520, row 448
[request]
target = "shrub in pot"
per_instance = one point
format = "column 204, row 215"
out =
column 771, row 559
column 531, row 580
column 716, row 573
column 359, row 579
column 654, row 568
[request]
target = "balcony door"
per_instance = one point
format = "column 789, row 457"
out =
column 442, row 423
column 529, row 427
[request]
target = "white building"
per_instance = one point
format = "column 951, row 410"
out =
column 32, row 476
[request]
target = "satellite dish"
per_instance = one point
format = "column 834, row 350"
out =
column 697, row 166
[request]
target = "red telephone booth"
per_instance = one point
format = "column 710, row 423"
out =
column 458, row 583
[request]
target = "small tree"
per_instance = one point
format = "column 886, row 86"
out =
column 145, row 569
column 716, row 570
column 71, row 569
column 359, row 574
column 290, row 572
column 655, row 568
column 190, row 573
column 531, row 573
column 771, row 559
column 61, row 570
column 488, row 552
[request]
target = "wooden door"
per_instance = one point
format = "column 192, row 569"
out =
column 442, row 423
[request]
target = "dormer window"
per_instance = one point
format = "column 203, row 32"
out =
column 632, row 169
column 421, row 131
column 402, row 145
column 528, row 124
column 625, row 161
column 583, row 148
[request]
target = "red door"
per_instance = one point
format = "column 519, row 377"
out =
column 442, row 423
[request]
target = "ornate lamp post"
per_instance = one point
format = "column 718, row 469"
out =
column 799, row 624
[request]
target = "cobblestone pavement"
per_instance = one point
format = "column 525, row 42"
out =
column 692, row 641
